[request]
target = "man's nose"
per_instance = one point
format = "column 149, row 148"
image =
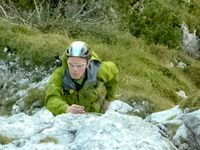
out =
column 75, row 68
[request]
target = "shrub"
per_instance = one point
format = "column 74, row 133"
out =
column 157, row 22
column 46, row 14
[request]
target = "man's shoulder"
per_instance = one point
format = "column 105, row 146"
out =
column 107, row 64
column 59, row 71
column 107, row 69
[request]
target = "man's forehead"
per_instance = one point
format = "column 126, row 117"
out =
column 77, row 59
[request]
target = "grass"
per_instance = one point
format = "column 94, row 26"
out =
column 143, row 68
column 193, row 102
column 31, row 44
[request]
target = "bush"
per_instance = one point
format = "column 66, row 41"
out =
column 46, row 14
column 157, row 22
column 190, row 11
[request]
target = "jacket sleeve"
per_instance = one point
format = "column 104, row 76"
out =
column 108, row 73
column 54, row 92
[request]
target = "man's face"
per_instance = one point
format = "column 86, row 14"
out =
column 77, row 67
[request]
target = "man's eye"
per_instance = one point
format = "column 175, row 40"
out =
column 76, row 65
column 72, row 65
column 81, row 65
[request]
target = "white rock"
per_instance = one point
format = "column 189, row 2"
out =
column 182, row 94
column 180, row 135
column 119, row 106
column 27, row 62
column 12, row 64
column 108, row 131
column 5, row 49
column 181, row 65
column 161, row 117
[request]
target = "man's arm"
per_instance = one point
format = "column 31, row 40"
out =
column 54, row 92
column 108, row 73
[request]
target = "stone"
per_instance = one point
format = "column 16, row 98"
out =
column 111, row 130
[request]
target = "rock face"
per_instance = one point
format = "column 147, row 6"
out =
column 15, row 82
column 190, row 42
column 192, row 124
column 111, row 130
column 187, row 132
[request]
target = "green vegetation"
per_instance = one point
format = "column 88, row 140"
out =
column 193, row 72
column 143, row 40
column 142, row 104
column 193, row 102
column 5, row 140
column 6, row 106
column 172, row 128
column 159, row 21
column 30, row 43
column 35, row 98
column 48, row 140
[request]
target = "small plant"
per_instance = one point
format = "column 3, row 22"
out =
column 5, row 140
column 141, row 106
column 6, row 105
column 35, row 98
column 48, row 140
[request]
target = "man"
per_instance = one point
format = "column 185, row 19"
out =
column 82, row 84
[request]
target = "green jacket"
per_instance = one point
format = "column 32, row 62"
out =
column 101, row 84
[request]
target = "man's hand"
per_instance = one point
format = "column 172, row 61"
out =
column 76, row 109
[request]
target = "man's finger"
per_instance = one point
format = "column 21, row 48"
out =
column 76, row 110
column 77, row 106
